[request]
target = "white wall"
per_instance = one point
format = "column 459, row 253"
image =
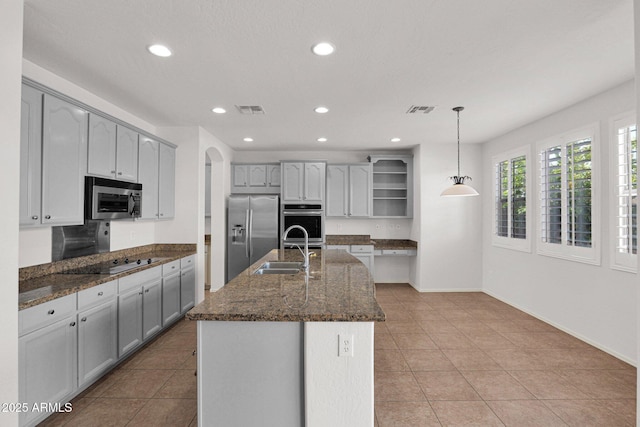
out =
column 595, row 303
column 10, row 75
column 449, row 231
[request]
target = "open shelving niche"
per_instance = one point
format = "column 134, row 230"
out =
column 392, row 186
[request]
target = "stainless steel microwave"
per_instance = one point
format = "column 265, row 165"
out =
column 111, row 199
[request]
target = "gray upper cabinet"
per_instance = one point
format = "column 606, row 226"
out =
column 156, row 173
column 349, row 190
column 113, row 150
column 64, row 162
column 31, row 157
column 392, row 186
column 255, row 178
column 303, row 182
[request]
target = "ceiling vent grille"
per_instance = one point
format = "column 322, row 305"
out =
column 250, row 109
column 420, row 109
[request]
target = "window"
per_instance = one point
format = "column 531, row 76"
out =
column 510, row 209
column 624, row 157
column 567, row 208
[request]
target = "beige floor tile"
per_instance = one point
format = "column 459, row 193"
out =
column 437, row 326
column 166, row 412
column 625, row 408
column 165, row 358
column 456, row 314
column 138, row 384
column 78, row 405
column 414, row 342
column 484, row 314
column 178, row 340
column 582, row 413
column 471, row 327
column 427, row 360
column 462, row 413
column 108, row 412
column 548, row 385
column 601, row 384
column 430, row 315
column 403, row 327
column 455, row 340
column 525, row 413
column 445, row 385
column 471, row 360
column 489, row 340
column 384, row 341
column 516, row 359
column 389, row 360
column 543, row 340
column 496, row 385
column 182, row 384
column 409, row 414
column 397, row 314
column 397, row 387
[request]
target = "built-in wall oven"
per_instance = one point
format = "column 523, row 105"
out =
column 310, row 217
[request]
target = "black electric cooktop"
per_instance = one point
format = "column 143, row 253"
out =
column 113, row 267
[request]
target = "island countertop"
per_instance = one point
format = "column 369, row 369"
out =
column 338, row 288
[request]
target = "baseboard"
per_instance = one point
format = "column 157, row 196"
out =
column 567, row 330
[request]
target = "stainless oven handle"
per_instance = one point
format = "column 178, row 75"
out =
column 302, row 213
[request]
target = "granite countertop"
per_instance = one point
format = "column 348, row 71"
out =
column 365, row 239
column 340, row 288
column 46, row 282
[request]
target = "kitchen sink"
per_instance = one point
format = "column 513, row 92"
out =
column 279, row 267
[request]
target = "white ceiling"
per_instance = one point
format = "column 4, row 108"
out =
column 508, row 62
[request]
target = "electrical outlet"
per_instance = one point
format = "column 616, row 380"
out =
column 345, row 345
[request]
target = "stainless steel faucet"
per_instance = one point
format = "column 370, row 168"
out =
column 306, row 244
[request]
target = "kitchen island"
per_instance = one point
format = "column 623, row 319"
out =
column 289, row 349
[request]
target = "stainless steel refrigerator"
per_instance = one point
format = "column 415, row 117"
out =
column 252, row 230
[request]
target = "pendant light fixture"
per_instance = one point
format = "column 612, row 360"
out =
column 459, row 188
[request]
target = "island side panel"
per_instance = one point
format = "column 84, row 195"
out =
column 250, row 373
column 338, row 389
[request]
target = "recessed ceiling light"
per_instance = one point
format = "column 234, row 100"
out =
column 395, row 139
column 322, row 139
column 248, row 139
column 321, row 110
column 159, row 50
column 323, row 48
column 219, row 110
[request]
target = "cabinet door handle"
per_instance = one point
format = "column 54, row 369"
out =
column 47, row 217
column 51, row 312
column 34, row 217
column 161, row 214
column 72, row 324
column 100, row 293
column 113, row 171
column 84, row 319
column 146, row 291
column 140, row 293
column 119, row 173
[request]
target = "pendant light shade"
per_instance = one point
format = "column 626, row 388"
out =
column 459, row 188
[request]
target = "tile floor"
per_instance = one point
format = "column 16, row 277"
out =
column 440, row 359
column 469, row 359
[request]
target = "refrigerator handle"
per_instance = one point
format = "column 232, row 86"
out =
column 247, row 233
column 250, row 232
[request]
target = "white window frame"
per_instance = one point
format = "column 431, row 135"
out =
column 523, row 245
column 619, row 260
column 562, row 250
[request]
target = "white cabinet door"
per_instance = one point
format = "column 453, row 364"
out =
column 314, row 181
column 257, row 175
column 129, row 321
column 48, row 366
column 274, row 176
column 152, row 308
column 360, row 181
column 30, row 157
column 166, row 182
column 240, row 176
column 127, row 154
column 148, row 162
column 337, row 185
column 97, row 341
column 64, row 162
column 292, row 181
column 170, row 298
column 187, row 288
column 102, row 147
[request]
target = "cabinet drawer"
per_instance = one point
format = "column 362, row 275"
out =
column 343, row 247
column 403, row 252
column 188, row 261
column 46, row 314
column 97, row 295
column 171, row 267
column 129, row 282
column 361, row 249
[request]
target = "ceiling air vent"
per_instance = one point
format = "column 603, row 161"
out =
column 420, row 109
column 250, row 109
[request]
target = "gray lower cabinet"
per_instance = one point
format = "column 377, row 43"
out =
column 187, row 288
column 151, row 308
column 170, row 292
column 97, row 341
column 129, row 321
column 47, row 350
